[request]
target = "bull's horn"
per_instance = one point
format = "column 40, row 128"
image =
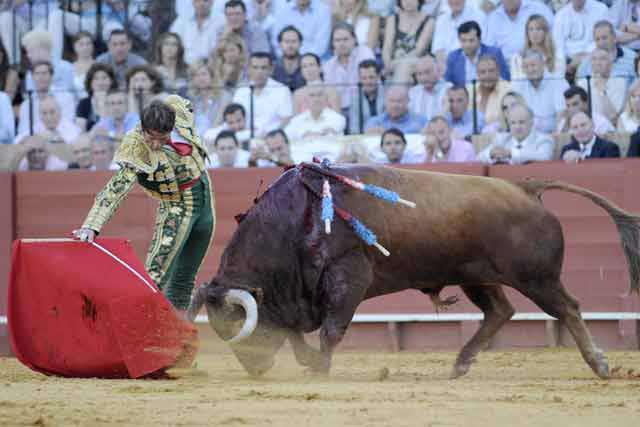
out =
column 248, row 303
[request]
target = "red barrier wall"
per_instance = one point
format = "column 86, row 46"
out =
column 52, row 204
column 6, row 237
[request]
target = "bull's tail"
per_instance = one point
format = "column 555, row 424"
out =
column 628, row 224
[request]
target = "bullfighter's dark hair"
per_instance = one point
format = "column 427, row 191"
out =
column 287, row 29
column 158, row 117
column 469, row 26
column 226, row 134
column 277, row 132
column 576, row 90
column 261, row 55
column 393, row 131
column 236, row 3
column 369, row 63
column 232, row 108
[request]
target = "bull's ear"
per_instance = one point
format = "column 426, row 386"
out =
column 258, row 294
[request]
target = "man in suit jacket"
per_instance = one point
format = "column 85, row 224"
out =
column 372, row 102
column 585, row 144
column 461, row 63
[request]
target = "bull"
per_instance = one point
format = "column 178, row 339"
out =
column 281, row 276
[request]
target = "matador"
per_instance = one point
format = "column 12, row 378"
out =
column 167, row 158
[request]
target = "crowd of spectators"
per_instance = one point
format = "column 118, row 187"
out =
column 263, row 75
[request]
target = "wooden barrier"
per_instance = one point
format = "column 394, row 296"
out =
column 52, row 204
column 6, row 237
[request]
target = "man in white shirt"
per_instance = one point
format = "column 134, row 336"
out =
column 198, row 31
column 522, row 145
column 228, row 153
column 393, row 145
column 573, row 29
column 608, row 92
column 445, row 36
column 505, row 26
column 624, row 16
column 271, row 106
column 543, row 95
column 428, row 97
column 38, row 46
column 577, row 100
column 55, row 128
column 38, row 158
column 42, row 73
column 312, row 18
column 318, row 120
column 623, row 58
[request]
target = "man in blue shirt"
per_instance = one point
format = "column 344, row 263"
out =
column 397, row 114
column 459, row 116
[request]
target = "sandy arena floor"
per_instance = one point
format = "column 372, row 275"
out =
column 549, row 387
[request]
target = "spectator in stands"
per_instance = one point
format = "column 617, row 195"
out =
column 255, row 39
column 319, row 120
column 312, row 72
column 459, row 117
column 101, row 155
column 271, row 107
column 9, row 77
column 372, row 101
column 573, row 30
column 144, row 85
column 312, row 18
column 441, row 145
column 342, row 69
column 229, row 60
column 407, row 35
column 462, row 63
column 543, row 96
column 505, row 24
column 539, row 38
column 208, row 97
column 604, row 37
column 366, row 24
column 228, row 153
column 168, row 60
column 99, row 80
column 523, row 144
column 38, row 46
column 81, row 152
column 275, row 151
column 629, row 120
column 490, row 90
column 585, row 144
column 428, row 97
column 118, row 120
column 42, row 73
column 235, row 119
column 262, row 12
column 509, row 100
column 608, row 92
column 576, row 99
column 397, row 114
column 38, row 157
column 624, row 16
column 393, row 145
column 198, row 30
column 83, row 50
column 55, row 128
column 7, row 120
column 286, row 69
column 445, row 36
column 119, row 56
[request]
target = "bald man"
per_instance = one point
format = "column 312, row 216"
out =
column 397, row 114
column 585, row 144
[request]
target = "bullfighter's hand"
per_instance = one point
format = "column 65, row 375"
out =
column 84, row 234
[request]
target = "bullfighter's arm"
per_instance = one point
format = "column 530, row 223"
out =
column 108, row 200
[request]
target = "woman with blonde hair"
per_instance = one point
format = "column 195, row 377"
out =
column 168, row 60
column 539, row 37
column 629, row 120
column 366, row 24
column 229, row 59
column 208, row 96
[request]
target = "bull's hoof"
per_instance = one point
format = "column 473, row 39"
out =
column 316, row 373
column 460, row 369
column 310, row 358
column 601, row 366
